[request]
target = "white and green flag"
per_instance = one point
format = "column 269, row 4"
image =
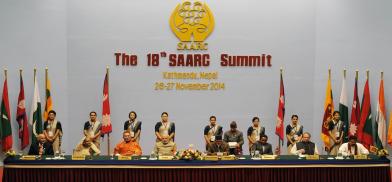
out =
column 343, row 108
column 36, row 113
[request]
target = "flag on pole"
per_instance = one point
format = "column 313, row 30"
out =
column 365, row 130
column 21, row 117
column 328, row 110
column 106, row 123
column 343, row 107
column 380, row 125
column 48, row 96
column 36, row 113
column 6, row 131
column 281, row 111
column 355, row 110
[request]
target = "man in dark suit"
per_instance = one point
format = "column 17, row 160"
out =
column 305, row 147
column 262, row 146
column 218, row 146
column 41, row 147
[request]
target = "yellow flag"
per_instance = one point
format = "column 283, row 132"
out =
column 48, row 104
column 328, row 110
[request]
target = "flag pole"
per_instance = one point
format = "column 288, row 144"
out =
column 281, row 74
column 46, row 95
column 367, row 74
column 35, row 73
column 107, row 73
column 5, row 72
column 46, row 79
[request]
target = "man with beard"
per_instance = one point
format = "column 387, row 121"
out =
column 41, row 147
column 305, row 147
column 352, row 148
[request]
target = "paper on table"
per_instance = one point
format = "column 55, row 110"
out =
column 232, row 144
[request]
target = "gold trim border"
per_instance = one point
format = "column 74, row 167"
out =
column 198, row 167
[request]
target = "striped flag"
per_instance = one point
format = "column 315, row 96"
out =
column 328, row 110
column 36, row 113
column 6, row 131
column 281, row 111
column 106, row 123
column 380, row 126
column 48, row 96
column 21, row 117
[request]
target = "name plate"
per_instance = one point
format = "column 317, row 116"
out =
column 361, row 157
column 228, row 158
column 28, row 157
column 124, row 157
column 312, row 157
column 211, row 158
column 268, row 157
column 78, row 157
column 165, row 157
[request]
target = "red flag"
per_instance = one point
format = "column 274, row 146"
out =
column 365, row 130
column 21, row 117
column 5, row 118
column 355, row 111
column 106, row 123
column 281, row 111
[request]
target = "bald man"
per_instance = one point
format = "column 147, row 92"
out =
column 41, row 147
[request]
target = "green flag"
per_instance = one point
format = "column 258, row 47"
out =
column 343, row 109
column 6, row 132
column 36, row 113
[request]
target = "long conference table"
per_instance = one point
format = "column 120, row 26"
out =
column 284, row 168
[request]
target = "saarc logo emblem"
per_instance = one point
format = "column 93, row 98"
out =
column 192, row 23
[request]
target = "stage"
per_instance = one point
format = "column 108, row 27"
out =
column 285, row 168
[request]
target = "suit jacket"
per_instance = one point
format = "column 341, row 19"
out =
column 48, row 149
column 266, row 150
column 214, row 148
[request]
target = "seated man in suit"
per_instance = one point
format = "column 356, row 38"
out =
column 234, row 138
column 305, row 147
column 353, row 148
column 41, row 147
column 218, row 146
column 128, row 146
column 262, row 146
column 165, row 147
column 87, row 147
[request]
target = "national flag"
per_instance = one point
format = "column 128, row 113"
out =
column 390, row 130
column 6, row 131
column 380, row 125
column 365, row 130
column 106, row 123
column 21, row 117
column 36, row 113
column 355, row 111
column 328, row 110
column 343, row 108
column 281, row 112
column 48, row 96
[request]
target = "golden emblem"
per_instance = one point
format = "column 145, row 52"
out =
column 192, row 23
